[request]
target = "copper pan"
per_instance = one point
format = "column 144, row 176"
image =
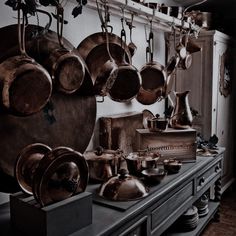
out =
column 191, row 46
column 20, row 75
column 9, row 46
column 93, row 50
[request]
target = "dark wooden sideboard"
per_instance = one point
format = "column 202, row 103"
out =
column 154, row 214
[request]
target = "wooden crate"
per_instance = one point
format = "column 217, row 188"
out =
column 118, row 131
column 172, row 143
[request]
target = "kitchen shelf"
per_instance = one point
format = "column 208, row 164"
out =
column 161, row 21
column 213, row 206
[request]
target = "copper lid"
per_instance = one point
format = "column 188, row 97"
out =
column 123, row 187
column 61, row 174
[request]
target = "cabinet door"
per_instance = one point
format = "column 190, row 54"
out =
column 198, row 79
column 224, row 123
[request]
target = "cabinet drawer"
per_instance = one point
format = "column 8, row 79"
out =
column 159, row 214
column 208, row 175
column 139, row 228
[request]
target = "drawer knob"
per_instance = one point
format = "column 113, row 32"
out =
column 217, row 169
column 202, row 181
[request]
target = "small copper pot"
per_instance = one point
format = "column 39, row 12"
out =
column 157, row 124
column 103, row 163
column 138, row 161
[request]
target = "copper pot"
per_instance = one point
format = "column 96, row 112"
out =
column 157, row 124
column 103, row 163
column 138, row 161
column 123, row 187
column 172, row 166
column 154, row 175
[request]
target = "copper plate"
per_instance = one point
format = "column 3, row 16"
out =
column 27, row 161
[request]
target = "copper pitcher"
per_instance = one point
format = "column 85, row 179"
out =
column 181, row 117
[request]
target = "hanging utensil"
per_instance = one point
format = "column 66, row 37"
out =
column 132, row 47
column 110, row 65
column 124, row 83
column 171, row 67
column 26, row 86
column 65, row 66
column 153, row 75
column 186, row 62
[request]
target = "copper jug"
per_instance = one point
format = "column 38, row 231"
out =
column 181, row 117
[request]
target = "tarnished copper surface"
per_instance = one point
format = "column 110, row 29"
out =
column 93, row 50
column 123, row 187
column 104, row 164
column 172, row 166
column 27, row 163
column 62, row 173
column 154, row 175
column 138, row 161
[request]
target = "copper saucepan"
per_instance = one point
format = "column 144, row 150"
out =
column 26, row 86
column 102, row 52
column 123, row 83
column 66, row 68
column 153, row 76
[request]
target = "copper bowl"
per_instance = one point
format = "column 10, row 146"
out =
column 172, row 166
column 154, row 175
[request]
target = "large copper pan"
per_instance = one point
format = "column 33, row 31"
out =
column 93, row 50
column 48, row 42
column 25, row 86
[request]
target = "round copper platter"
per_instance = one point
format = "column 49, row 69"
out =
column 29, row 158
column 53, row 165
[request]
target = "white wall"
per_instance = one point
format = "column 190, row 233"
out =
column 88, row 23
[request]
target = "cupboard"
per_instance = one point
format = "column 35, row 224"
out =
column 210, row 81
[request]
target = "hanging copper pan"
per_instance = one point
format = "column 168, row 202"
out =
column 153, row 76
column 25, row 85
column 124, row 83
column 66, row 68
column 93, row 50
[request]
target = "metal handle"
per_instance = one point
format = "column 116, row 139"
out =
column 202, row 181
column 217, row 168
column 60, row 14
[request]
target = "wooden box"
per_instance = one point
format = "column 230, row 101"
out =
column 172, row 143
column 58, row 219
column 118, row 131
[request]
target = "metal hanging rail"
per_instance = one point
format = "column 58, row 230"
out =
column 161, row 21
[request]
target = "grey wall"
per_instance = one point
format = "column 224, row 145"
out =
column 88, row 23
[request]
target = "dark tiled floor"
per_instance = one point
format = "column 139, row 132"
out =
column 227, row 224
